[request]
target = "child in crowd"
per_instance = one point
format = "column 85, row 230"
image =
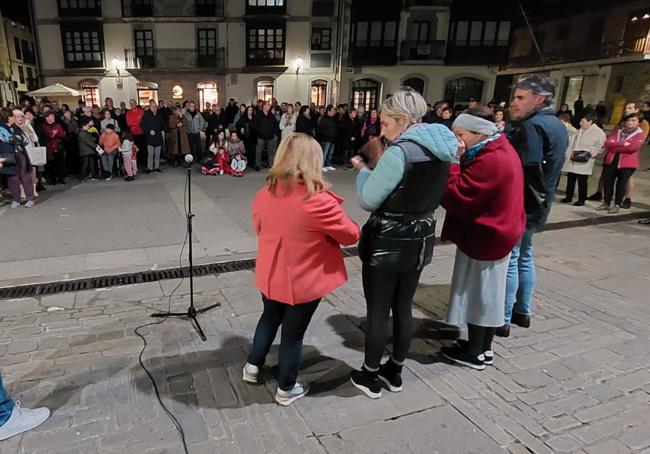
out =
column 223, row 161
column 87, row 150
column 110, row 143
column 129, row 153
column 238, row 165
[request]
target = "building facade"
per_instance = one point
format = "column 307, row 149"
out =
column 321, row 51
column 596, row 51
column 18, row 66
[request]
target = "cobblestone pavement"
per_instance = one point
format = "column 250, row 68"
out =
column 577, row 381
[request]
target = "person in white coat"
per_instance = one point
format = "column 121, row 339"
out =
column 288, row 122
column 580, row 165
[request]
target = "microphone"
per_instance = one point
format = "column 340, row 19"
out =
column 189, row 158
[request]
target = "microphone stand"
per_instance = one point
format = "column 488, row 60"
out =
column 192, row 312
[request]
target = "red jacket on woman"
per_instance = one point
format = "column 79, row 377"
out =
column 299, row 258
column 484, row 200
column 55, row 135
column 133, row 118
column 628, row 148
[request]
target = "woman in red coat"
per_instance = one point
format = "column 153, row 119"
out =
column 300, row 225
column 485, row 218
column 621, row 160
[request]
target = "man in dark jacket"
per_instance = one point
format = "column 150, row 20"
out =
column 266, row 128
column 216, row 122
column 231, row 110
column 541, row 141
column 152, row 124
column 327, row 128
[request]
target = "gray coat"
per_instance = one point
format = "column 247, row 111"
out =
column 195, row 124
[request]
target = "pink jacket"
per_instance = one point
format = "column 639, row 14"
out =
column 628, row 148
column 299, row 258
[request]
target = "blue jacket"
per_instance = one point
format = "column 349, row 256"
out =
column 541, row 141
column 373, row 187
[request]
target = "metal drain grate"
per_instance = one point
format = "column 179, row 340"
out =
column 50, row 288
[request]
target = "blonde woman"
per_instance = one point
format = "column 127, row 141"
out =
column 288, row 122
column 402, row 191
column 298, row 262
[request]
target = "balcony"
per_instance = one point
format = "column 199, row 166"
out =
column 175, row 59
column 426, row 4
column 614, row 49
column 254, row 10
column 375, row 53
column 29, row 57
column 173, row 8
column 70, row 9
column 32, row 84
column 417, row 50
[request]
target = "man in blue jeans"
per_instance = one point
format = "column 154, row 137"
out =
column 541, row 141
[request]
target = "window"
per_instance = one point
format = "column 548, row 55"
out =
column 208, row 93
column 207, row 46
column 365, row 92
column 321, row 38
column 77, row 8
column 318, row 93
column 265, row 46
column 21, row 74
column 265, row 2
column 490, row 33
column 146, row 92
column 142, row 8
column 90, row 92
column 30, row 74
column 19, row 55
column 415, row 83
column 375, row 34
column 264, row 90
column 475, row 33
column 322, row 8
column 504, row 33
column 460, row 90
column 82, row 46
column 419, row 31
column 461, row 33
column 206, row 8
column 144, row 51
column 321, row 60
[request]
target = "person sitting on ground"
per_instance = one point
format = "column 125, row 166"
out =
column 293, row 274
column 485, row 217
column 110, row 143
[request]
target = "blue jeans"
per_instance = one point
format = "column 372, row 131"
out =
column 6, row 404
column 328, row 151
column 107, row 161
column 520, row 283
column 294, row 321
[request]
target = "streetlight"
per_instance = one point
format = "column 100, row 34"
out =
column 119, row 81
column 298, row 64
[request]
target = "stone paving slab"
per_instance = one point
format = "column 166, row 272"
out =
column 577, row 381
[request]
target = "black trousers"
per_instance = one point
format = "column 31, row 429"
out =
column 387, row 291
column 55, row 169
column 140, row 141
column 615, row 178
column 582, row 186
column 294, row 321
column 87, row 166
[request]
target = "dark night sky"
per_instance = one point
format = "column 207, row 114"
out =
column 17, row 10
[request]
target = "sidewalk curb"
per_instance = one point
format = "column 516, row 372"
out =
column 227, row 266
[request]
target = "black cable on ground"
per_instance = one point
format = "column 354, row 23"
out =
column 175, row 420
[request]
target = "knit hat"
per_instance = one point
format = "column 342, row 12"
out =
column 475, row 124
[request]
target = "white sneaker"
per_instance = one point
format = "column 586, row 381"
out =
column 250, row 373
column 285, row 398
column 29, row 204
column 331, row 168
column 325, row 169
column 221, row 172
column 23, row 419
column 15, row 204
column 109, row 178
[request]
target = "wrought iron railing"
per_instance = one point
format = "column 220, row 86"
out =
column 418, row 50
column 173, row 8
column 175, row 59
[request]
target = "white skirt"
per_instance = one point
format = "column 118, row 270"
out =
column 478, row 291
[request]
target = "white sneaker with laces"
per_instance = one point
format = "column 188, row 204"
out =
column 325, row 169
column 29, row 204
column 22, row 420
column 15, row 204
column 285, row 398
column 250, row 373
column 331, row 168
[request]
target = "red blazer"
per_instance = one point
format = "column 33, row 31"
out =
column 299, row 258
column 484, row 200
column 133, row 118
column 628, row 148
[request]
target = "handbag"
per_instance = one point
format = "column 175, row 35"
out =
column 580, row 156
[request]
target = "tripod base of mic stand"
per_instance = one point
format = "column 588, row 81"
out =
column 190, row 315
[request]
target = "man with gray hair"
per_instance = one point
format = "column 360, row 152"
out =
column 541, row 142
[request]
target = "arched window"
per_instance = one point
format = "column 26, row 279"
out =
column 365, row 92
column 460, row 90
column 146, row 92
column 415, row 83
column 208, row 93
column 319, row 92
column 89, row 91
column 264, row 90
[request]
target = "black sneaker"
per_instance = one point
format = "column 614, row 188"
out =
column 595, row 197
column 488, row 355
column 461, row 356
column 565, row 200
column 367, row 381
column 147, row 171
column 157, row 170
column 391, row 374
column 626, row 204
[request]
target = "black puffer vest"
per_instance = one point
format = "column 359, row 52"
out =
column 399, row 235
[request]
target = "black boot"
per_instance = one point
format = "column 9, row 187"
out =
column 391, row 374
column 595, row 197
column 367, row 381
